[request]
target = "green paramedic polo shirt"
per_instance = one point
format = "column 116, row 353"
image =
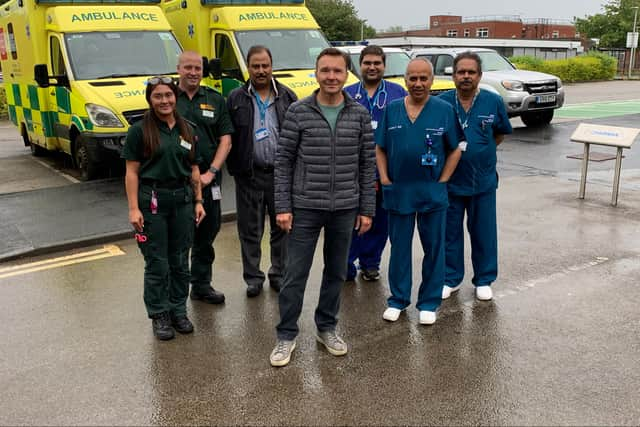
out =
column 170, row 162
column 207, row 111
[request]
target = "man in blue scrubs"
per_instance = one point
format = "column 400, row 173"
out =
column 417, row 152
column 472, row 188
column 374, row 93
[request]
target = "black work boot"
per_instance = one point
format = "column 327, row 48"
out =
column 161, row 324
column 210, row 296
column 182, row 324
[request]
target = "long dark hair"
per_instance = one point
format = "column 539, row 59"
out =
column 151, row 123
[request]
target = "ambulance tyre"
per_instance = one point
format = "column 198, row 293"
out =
column 537, row 118
column 88, row 168
column 36, row 150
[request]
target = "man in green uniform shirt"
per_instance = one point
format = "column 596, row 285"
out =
column 206, row 110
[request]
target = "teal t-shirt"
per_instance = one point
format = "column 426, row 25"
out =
column 331, row 114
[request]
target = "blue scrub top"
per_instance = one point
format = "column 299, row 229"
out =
column 386, row 93
column 476, row 172
column 415, row 188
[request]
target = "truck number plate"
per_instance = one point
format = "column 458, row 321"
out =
column 545, row 99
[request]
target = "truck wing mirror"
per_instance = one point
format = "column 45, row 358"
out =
column 41, row 75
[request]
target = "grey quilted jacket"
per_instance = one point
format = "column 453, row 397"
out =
column 318, row 169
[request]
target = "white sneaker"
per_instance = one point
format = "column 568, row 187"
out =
column 391, row 314
column 427, row 317
column 447, row 290
column 484, row 293
column 281, row 354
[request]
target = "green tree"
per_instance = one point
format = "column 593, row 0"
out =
column 395, row 29
column 612, row 25
column 339, row 20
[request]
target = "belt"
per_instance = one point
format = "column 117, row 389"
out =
column 173, row 184
column 265, row 169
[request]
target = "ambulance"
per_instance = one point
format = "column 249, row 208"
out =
column 226, row 29
column 75, row 73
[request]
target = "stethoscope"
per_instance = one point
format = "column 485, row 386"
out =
column 379, row 100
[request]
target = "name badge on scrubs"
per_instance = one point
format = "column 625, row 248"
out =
column 374, row 124
column 429, row 159
column 207, row 113
column 216, row 193
column 185, row 144
column 262, row 134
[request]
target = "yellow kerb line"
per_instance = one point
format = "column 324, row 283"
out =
column 106, row 252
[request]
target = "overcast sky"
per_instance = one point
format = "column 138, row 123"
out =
column 382, row 14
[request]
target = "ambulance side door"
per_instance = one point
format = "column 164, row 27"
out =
column 225, row 49
column 59, row 114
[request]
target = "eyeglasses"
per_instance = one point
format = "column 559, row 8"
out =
column 160, row 79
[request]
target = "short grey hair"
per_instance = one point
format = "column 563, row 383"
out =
column 418, row 58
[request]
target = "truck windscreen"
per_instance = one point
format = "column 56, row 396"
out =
column 291, row 49
column 122, row 54
column 493, row 61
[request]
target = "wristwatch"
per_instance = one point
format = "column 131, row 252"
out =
column 213, row 170
column 196, row 201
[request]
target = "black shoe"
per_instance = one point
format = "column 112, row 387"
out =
column 370, row 275
column 275, row 285
column 161, row 324
column 210, row 296
column 182, row 324
column 253, row 290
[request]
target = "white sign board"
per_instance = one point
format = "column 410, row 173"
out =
column 605, row 135
column 632, row 40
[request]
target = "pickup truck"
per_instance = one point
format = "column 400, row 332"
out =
column 529, row 94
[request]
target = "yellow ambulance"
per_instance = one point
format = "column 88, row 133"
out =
column 75, row 72
column 226, row 29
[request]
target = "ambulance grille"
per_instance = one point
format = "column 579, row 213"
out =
column 133, row 115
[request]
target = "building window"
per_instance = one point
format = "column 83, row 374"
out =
column 555, row 34
column 466, row 32
column 482, row 32
column 452, row 33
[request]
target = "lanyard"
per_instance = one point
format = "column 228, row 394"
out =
column 468, row 113
column 262, row 106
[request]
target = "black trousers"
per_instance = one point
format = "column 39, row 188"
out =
column 254, row 200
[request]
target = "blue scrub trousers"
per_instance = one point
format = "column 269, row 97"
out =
column 481, row 223
column 431, row 228
column 368, row 247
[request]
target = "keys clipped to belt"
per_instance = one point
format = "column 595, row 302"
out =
column 153, row 205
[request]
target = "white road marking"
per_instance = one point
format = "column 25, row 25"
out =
column 64, row 175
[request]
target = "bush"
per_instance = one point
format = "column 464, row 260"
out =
column 4, row 115
column 589, row 67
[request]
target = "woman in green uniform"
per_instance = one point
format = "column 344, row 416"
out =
column 163, row 190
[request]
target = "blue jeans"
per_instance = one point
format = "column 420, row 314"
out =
column 482, row 226
column 431, row 228
column 307, row 223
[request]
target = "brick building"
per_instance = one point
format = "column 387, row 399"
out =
column 496, row 27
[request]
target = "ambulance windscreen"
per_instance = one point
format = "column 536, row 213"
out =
column 101, row 55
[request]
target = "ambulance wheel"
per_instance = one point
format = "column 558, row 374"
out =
column 88, row 168
column 537, row 118
column 36, row 150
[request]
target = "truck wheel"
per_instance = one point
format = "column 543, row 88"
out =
column 88, row 168
column 537, row 118
column 36, row 150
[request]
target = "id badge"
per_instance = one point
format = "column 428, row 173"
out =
column 374, row 124
column 429, row 160
column 185, row 144
column 216, row 193
column 207, row 113
column 262, row 134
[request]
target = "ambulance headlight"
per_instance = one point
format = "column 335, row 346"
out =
column 102, row 116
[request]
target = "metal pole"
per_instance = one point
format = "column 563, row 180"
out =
column 633, row 49
column 616, row 177
column 585, row 166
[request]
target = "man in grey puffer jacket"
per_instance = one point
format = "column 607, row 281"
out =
column 324, row 178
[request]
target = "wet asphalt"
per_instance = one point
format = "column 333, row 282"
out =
column 558, row 345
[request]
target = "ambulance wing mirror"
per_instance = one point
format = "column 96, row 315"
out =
column 41, row 75
column 448, row 71
column 213, row 67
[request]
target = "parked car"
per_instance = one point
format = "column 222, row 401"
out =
column 395, row 67
column 529, row 94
